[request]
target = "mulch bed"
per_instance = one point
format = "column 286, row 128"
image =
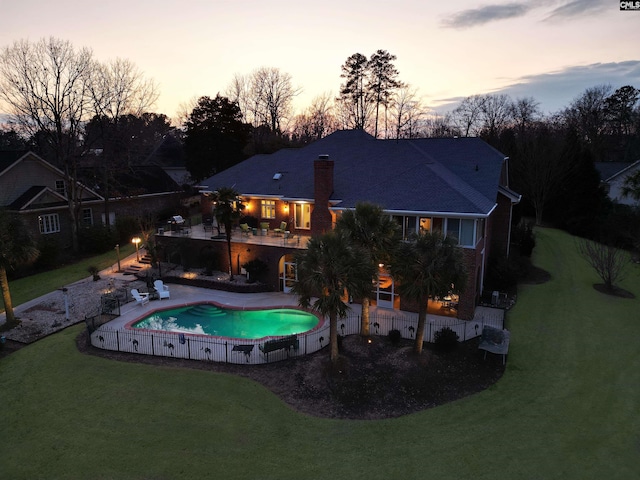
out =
column 371, row 381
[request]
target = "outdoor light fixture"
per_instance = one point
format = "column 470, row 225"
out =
column 136, row 241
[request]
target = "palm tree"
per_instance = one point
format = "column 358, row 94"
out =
column 427, row 265
column 330, row 268
column 227, row 208
column 378, row 235
column 16, row 247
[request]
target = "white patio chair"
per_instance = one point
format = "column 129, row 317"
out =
column 140, row 298
column 162, row 289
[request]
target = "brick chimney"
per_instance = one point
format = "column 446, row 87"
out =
column 323, row 189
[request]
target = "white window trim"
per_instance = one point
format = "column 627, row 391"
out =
column 268, row 209
column 49, row 223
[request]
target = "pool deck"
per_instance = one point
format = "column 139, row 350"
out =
column 182, row 295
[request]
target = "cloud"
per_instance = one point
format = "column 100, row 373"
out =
column 578, row 8
column 486, row 14
column 556, row 90
column 491, row 13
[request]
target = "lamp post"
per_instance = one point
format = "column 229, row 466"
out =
column 118, row 256
column 136, row 241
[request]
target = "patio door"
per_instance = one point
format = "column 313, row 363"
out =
column 385, row 292
column 288, row 276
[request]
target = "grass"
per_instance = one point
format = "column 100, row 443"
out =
column 567, row 407
column 28, row 288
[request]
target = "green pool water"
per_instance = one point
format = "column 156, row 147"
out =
column 207, row 319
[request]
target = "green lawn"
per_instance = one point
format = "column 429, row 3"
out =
column 28, row 288
column 567, row 407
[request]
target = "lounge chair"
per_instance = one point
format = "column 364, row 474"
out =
column 264, row 226
column 244, row 229
column 281, row 230
column 161, row 288
column 140, row 298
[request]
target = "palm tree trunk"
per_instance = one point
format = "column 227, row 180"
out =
column 333, row 337
column 364, row 321
column 422, row 320
column 6, row 297
column 228, row 233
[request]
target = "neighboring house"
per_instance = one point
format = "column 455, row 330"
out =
column 613, row 175
column 455, row 185
column 36, row 189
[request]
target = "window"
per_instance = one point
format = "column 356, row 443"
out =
column 87, row 216
column 425, row 224
column 408, row 224
column 462, row 230
column 302, row 215
column 49, row 223
column 60, row 187
column 268, row 209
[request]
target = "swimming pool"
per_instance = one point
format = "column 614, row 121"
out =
column 214, row 320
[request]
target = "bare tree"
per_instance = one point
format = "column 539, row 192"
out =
column 117, row 89
column 495, row 113
column 467, row 116
column 273, row 93
column 524, row 113
column 610, row 263
column 537, row 170
column 587, row 114
column 407, row 112
column 239, row 91
column 45, row 86
column 316, row 121
column 184, row 110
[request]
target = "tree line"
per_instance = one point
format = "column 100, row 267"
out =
column 76, row 110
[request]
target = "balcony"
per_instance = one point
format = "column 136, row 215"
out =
column 269, row 238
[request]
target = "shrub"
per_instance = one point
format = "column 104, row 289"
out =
column 209, row 260
column 126, row 228
column 96, row 239
column 394, row 336
column 445, row 340
column 49, row 254
column 255, row 268
column 93, row 270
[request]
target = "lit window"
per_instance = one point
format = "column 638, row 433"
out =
column 49, row 223
column 268, row 208
column 302, row 215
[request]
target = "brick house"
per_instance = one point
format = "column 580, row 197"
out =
column 458, row 186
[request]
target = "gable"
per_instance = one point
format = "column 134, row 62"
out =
column 19, row 171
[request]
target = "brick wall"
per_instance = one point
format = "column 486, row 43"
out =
column 323, row 189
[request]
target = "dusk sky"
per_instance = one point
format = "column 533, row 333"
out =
column 550, row 50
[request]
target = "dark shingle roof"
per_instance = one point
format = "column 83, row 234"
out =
column 31, row 194
column 9, row 157
column 455, row 175
column 608, row 170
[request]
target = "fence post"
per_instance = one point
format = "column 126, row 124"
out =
column 189, row 348
column 153, row 350
column 118, row 339
column 226, row 353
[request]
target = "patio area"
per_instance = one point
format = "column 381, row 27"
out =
column 254, row 236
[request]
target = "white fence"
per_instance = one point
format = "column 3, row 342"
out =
column 213, row 349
